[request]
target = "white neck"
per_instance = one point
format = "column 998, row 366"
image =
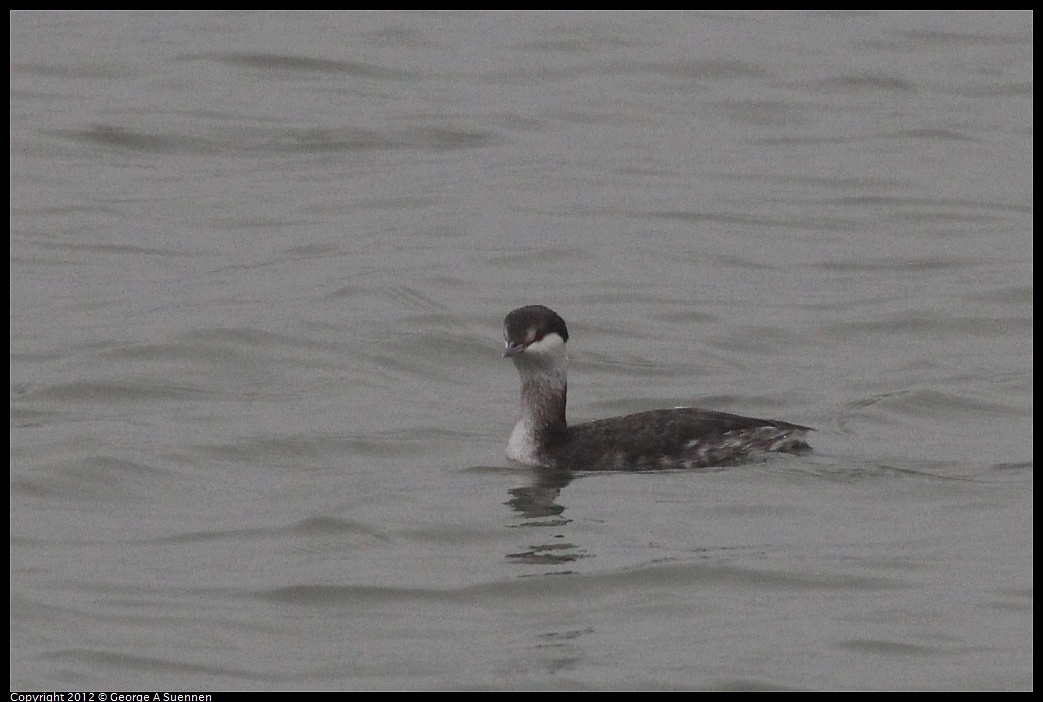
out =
column 542, row 368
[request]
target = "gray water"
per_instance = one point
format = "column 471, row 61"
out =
column 259, row 264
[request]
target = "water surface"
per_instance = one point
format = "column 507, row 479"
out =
column 259, row 263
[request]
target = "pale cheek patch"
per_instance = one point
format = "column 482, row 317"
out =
column 551, row 343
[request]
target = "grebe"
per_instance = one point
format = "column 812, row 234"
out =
column 535, row 337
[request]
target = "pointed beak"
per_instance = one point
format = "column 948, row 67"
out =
column 512, row 348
